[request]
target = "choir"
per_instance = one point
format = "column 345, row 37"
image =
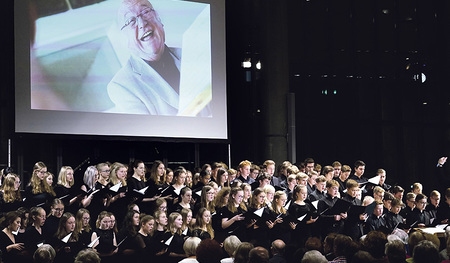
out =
column 127, row 212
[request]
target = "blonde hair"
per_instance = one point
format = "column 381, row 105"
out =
column 9, row 191
column 100, row 217
column 62, row 177
column 113, row 175
column 278, row 195
column 37, row 185
column 171, row 223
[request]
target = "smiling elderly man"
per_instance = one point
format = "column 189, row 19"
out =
column 149, row 82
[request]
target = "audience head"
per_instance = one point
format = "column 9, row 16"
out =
column 190, row 246
column 375, row 243
column 44, row 254
column 313, row 243
column 230, row 244
column 341, row 243
column 87, row 256
column 242, row 252
column 209, row 251
column 258, row 255
column 362, row 257
column 395, row 251
column 278, row 247
column 314, row 256
column 426, row 252
column 328, row 243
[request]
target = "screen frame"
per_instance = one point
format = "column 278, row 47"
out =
column 190, row 125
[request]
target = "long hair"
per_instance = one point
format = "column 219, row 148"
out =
column 276, row 197
column 9, row 218
column 254, row 200
column 37, row 185
column 79, row 221
column 113, row 175
column 154, row 176
column 171, row 224
column 62, row 177
column 100, row 217
column 10, row 194
column 221, row 171
column 89, row 177
column 48, row 188
column 231, row 204
column 219, row 201
column 128, row 223
column 114, row 228
column 203, row 199
column 200, row 223
column 62, row 232
column 184, row 213
column 168, row 171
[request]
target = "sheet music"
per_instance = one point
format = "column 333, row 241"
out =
column 116, row 187
column 375, row 180
column 142, row 191
column 169, row 241
column 259, row 212
column 93, row 242
column 287, row 205
column 302, row 217
column 66, row 238
column 178, row 191
column 432, row 230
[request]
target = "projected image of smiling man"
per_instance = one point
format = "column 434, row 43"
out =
column 149, row 82
column 144, row 30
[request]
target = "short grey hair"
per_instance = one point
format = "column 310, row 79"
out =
column 314, row 256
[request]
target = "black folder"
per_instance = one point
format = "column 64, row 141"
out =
column 341, row 206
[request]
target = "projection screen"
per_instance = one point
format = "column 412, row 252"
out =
column 122, row 68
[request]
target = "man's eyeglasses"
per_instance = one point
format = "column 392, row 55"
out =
column 147, row 13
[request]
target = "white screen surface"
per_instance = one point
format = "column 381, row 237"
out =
column 62, row 81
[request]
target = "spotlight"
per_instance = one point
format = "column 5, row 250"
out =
column 258, row 65
column 247, row 63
